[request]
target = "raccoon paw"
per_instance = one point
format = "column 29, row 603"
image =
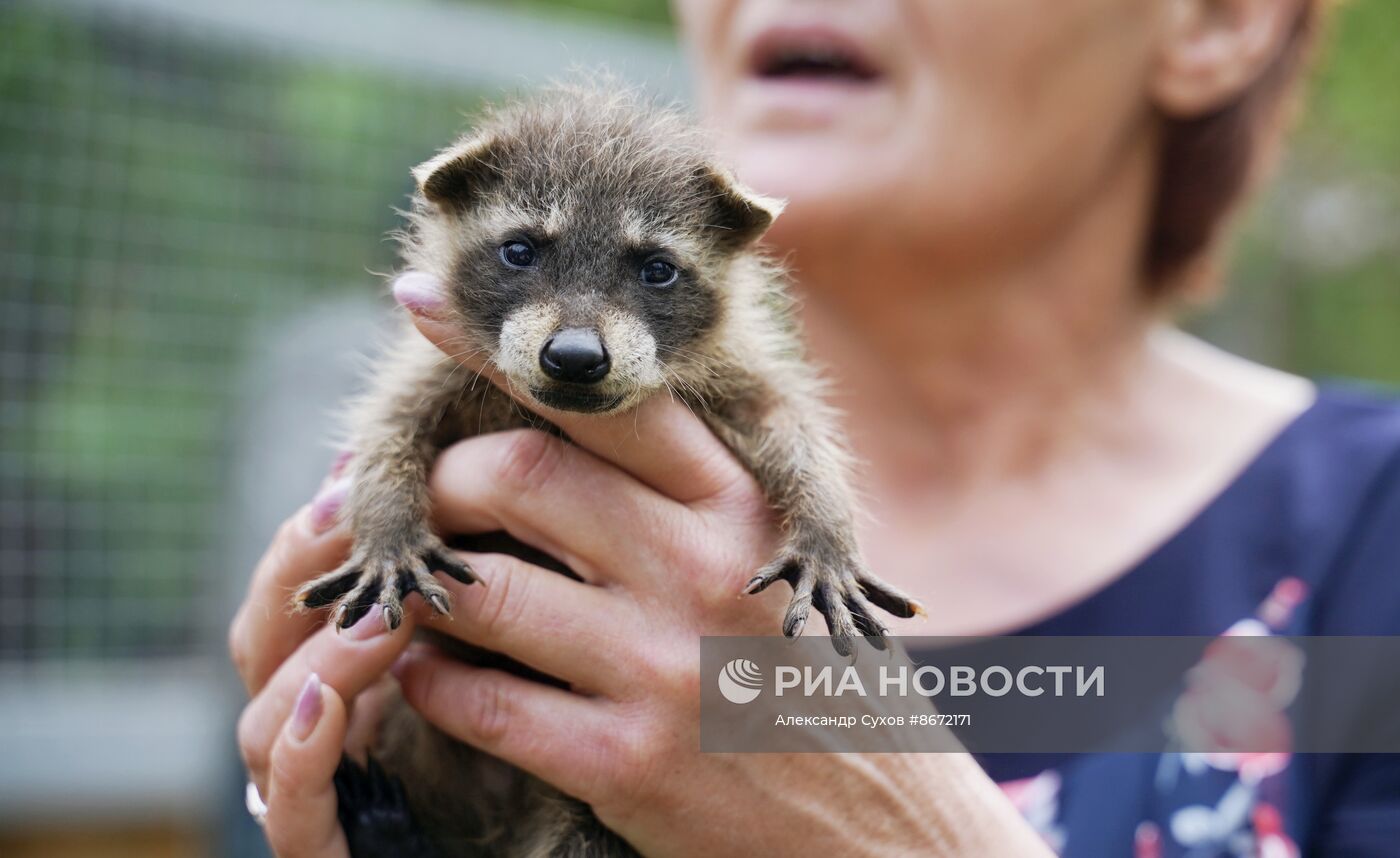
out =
column 384, row 577
column 842, row 590
column 374, row 814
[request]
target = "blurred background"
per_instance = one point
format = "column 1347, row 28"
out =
column 193, row 201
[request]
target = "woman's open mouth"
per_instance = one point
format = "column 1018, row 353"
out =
column 811, row 55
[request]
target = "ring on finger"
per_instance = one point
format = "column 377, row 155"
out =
column 253, row 800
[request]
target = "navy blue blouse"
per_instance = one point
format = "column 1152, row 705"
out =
column 1305, row 541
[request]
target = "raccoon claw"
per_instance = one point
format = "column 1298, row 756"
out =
column 366, row 581
column 843, row 593
column 441, row 561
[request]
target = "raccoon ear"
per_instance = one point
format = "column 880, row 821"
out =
column 743, row 213
column 457, row 173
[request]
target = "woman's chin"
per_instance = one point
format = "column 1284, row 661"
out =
column 817, row 179
column 788, row 164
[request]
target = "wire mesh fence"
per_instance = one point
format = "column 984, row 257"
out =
column 163, row 197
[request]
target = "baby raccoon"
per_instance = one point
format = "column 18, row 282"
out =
column 595, row 252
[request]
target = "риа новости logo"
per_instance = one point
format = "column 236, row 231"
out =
column 740, row 681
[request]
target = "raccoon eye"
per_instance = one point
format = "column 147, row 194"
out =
column 659, row 272
column 518, row 254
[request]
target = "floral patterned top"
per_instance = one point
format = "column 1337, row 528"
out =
column 1306, row 541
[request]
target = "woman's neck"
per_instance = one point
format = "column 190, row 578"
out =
column 948, row 377
column 962, row 389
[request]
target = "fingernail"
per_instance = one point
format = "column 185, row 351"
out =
column 369, row 626
column 339, row 462
column 325, row 508
column 418, row 293
column 308, row 709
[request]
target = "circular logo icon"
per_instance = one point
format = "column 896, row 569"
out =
column 740, row 681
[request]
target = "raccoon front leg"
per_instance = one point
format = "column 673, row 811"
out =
column 791, row 446
column 398, row 429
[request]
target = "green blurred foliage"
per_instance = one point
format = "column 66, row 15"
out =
column 627, row 12
column 1355, row 104
column 1313, row 282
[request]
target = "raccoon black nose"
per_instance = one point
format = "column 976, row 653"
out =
column 575, row 355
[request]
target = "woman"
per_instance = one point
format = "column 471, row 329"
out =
column 992, row 204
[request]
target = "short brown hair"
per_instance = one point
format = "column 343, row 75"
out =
column 1208, row 162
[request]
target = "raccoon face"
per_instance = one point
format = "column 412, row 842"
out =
column 592, row 287
column 595, row 340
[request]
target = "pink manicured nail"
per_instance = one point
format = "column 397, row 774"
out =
column 326, row 507
column 308, row 708
column 339, row 462
column 370, row 625
column 419, row 293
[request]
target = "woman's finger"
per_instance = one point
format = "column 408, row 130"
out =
column 661, row 443
column 554, row 496
column 348, row 661
column 301, row 800
column 513, row 718
column 540, row 618
column 264, row 631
